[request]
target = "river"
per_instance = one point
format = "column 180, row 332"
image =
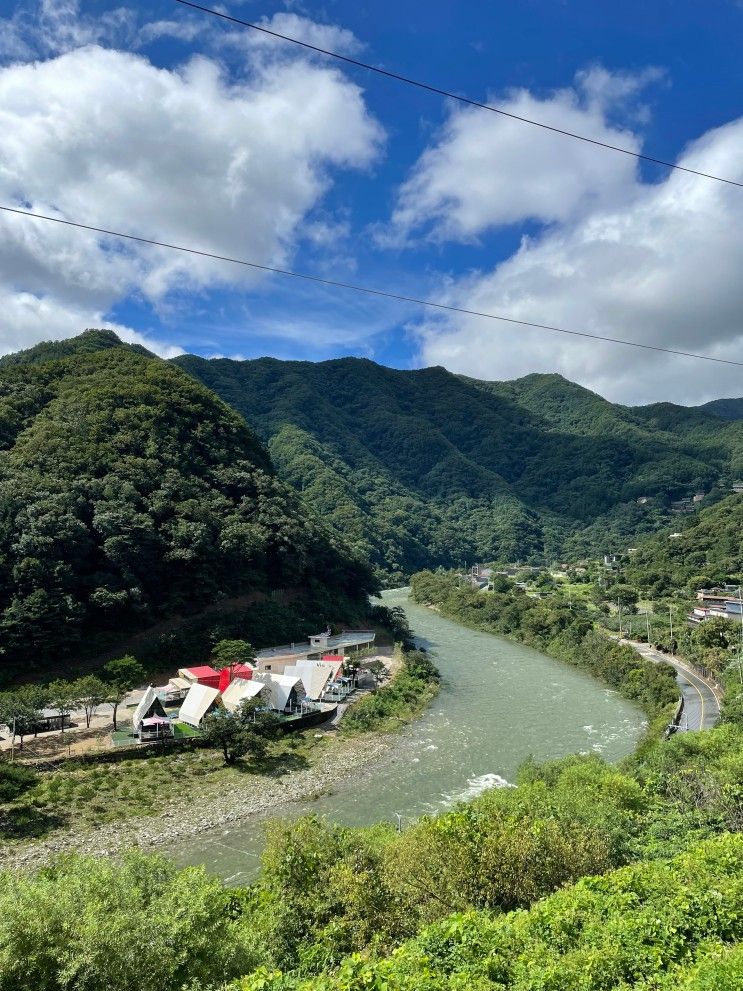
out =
column 499, row 702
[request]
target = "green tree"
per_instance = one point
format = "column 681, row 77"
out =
column 244, row 732
column 62, row 697
column 716, row 632
column 231, row 653
column 90, row 692
column 623, row 595
column 87, row 923
column 121, row 675
column 20, row 712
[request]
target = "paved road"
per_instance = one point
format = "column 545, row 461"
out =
column 701, row 703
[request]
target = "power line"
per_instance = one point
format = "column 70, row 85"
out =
column 368, row 290
column 429, row 88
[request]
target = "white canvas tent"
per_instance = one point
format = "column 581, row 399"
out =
column 314, row 675
column 197, row 704
column 337, row 666
column 240, row 690
column 280, row 687
column 149, row 705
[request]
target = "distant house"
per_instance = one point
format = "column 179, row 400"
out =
column 720, row 597
column 674, row 536
column 699, row 496
column 738, row 486
column 643, row 500
column 199, row 702
column 683, row 505
column 611, row 560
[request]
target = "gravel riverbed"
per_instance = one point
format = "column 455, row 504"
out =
column 209, row 807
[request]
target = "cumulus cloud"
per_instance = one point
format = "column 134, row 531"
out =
column 29, row 318
column 186, row 155
column 661, row 266
column 484, row 170
column 613, row 255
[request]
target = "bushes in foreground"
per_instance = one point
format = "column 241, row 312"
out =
column 662, row 926
column 87, row 924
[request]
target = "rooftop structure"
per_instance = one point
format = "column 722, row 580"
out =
column 314, row 675
column 201, row 699
column 149, row 706
column 316, row 647
column 203, row 674
column 283, row 689
column 241, row 690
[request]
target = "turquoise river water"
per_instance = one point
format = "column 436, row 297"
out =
column 499, row 703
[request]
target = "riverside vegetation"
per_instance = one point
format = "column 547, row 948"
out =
column 85, row 793
column 584, row 877
column 563, row 630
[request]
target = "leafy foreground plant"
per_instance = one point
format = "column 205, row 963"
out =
column 87, row 924
column 661, row 926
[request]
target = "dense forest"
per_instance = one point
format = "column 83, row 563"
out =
column 128, row 494
column 707, row 551
column 425, row 468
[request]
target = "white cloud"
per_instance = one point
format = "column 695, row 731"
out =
column 330, row 37
column 50, row 27
column 29, row 318
column 182, row 30
column 186, row 155
column 660, row 266
column 485, row 170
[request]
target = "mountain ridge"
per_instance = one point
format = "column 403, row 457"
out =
column 420, row 468
column 130, row 493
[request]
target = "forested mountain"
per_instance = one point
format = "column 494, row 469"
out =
column 707, row 551
column 129, row 493
column 420, row 468
column 726, row 409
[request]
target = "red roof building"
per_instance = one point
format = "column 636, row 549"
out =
column 204, row 674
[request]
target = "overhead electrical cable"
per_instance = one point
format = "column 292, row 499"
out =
column 428, row 87
column 367, row 290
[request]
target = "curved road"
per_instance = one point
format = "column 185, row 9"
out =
column 701, row 701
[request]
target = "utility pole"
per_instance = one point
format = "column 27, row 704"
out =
column 670, row 618
column 647, row 621
column 740, row 652
column 619, row 606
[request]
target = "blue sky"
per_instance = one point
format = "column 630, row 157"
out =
column 170, row 124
